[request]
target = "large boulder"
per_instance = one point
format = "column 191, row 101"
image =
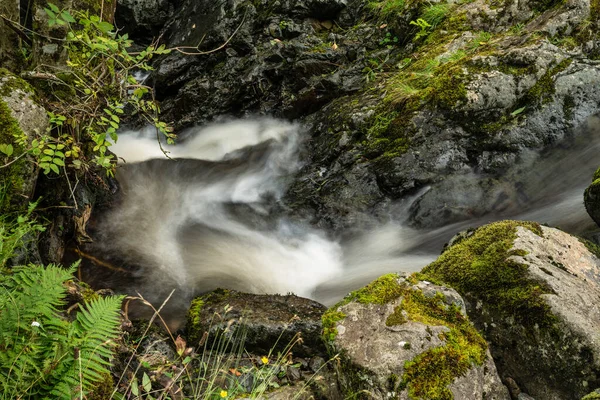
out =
column 533, row 291
column 403, row 338
column 22, row 120
column 591, row 198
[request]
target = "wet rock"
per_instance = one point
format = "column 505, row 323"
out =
column 143, row 20
column 592, row 198
column 405, row 338
column 533, row 293
column 279, row 60
column 267, row 323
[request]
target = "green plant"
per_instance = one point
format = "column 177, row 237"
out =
column 87, row 99
column 375, row 66
column 481, row 39
column 16, row 232
column 387, row 8
column 220, row 368
column 424, row 27
column 388, row 40
column 434, row 14
column 42, row 354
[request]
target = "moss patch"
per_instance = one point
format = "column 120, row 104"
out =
column 11, row 177
column 429, row 374
column 543, row 90
column 595, row 395
column 479, row 266
column 380, row 291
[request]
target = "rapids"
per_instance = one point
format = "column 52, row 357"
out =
column 203, row 219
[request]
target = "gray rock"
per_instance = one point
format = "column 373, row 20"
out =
column 21, row 120
column 267, row 323
column 539, row 311
column 379, row 340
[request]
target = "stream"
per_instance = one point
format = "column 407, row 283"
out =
column 204, row 219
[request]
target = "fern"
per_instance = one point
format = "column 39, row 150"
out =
column 42, row 354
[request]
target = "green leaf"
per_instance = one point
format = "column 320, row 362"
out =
column 51, row 16
column 146, row 383
column 7, row 149
column 54, row 7
column 67, row 17
column 134, row 387
column 105, row 27
column 50, row 152
column 58, row 162
column 54, row 168
column 518, row 111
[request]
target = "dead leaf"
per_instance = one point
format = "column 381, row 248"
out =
column 180, row 345
column 80, row 224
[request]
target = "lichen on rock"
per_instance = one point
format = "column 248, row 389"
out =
column 407, row 338
column 532, row 291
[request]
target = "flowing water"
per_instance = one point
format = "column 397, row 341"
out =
column 203, row 220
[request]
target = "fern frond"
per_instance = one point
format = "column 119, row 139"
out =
column 93, row 334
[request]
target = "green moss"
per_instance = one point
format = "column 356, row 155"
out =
column 429, row 374
column 329, row 321
column 9, row 83
column 380, row 291
column 591, row 246
column 596, row 175
column 543, row 90
column 11, row 176
column 479, row 266
column 102, row 390
column 595, row 395
column 595, row 10
column 194, row 315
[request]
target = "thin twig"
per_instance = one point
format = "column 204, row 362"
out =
column 70, row 187
column 6, row 165
column 199, row 53
column 143, row 335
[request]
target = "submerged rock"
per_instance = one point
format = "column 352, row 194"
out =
column 533, row 291
column 400, row 337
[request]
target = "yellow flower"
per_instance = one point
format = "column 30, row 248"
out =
column 223, row 393
column 264, row 360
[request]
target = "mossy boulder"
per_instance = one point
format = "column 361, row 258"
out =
column 533, row 292
column 591, row 198
column 401, row 337
column 21, row 120
column 268, row 323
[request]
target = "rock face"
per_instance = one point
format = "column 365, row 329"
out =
column 533, row 292
column 143, row 20
column 403, row 338
column 21, row 121
column 591, row 198
column 392, row 108
column 264, row 320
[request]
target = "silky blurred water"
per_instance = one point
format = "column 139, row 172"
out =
column 174, row 220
